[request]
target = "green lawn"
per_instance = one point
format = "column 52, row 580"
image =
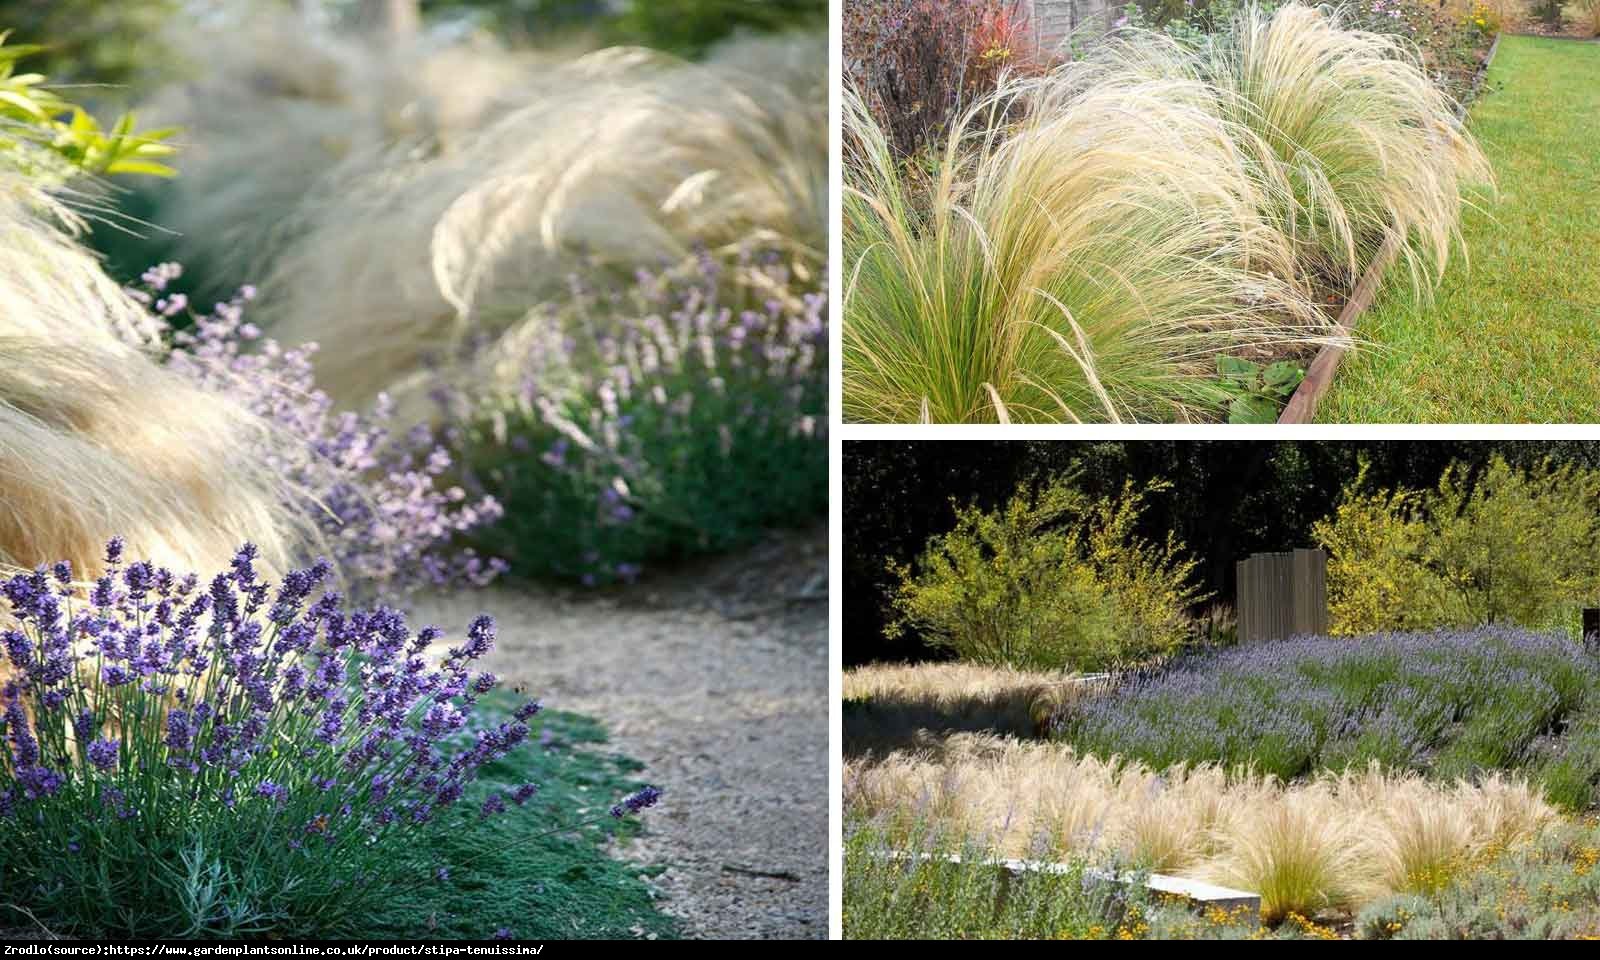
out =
column 1514, row 334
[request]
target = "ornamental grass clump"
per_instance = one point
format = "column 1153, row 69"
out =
column 1089, row 243
column 381, row 499
column 621, row 158
column 289, row 98
column 1359, row 146
column 95, row 436
column 224, row 759
column 1332, row 840
column 665, row 420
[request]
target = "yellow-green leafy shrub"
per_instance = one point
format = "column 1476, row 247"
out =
column 1377, row 580
column 1054, row 579
column 1509, row 545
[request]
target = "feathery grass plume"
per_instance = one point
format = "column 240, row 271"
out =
column 1359, row 144
column 1087, row 262
column 289, row 100
column 1422, row 844
column 890, row 703
column 95, row 439
column 1334, row 840
column 1295, row 854
column 620, row 159
column 1586, row 13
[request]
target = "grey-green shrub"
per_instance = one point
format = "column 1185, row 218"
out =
column 900, row 891
column 1546, row 889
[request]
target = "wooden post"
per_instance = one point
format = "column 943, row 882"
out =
column 1281, row 595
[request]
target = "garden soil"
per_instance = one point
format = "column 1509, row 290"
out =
column 715, row 676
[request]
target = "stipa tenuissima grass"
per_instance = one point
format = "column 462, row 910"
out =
column 1353, row 142
column 620, row 159
column 96, row 439
column 1086, row 262
column 224, row 758
column 1329, row 841
column 289, row 99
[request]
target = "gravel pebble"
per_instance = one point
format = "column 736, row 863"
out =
column 715, row 677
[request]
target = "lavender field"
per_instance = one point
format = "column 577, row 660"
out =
column 1451, row 703
column 1429, row 768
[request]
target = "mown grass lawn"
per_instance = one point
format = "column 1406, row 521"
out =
column 1514, row 334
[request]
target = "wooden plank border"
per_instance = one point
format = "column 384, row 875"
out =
column 1302, row 405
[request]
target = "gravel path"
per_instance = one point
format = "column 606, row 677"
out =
column 716, row 678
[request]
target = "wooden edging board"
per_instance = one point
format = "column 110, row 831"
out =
column 1302, row 405
column 1194, row 891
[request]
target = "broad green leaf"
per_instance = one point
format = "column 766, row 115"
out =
column 1237, row 368
column 1283, row 377
column 1252, row 409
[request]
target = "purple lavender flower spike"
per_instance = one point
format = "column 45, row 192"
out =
column 381, row 498
column 634, row 802
column 281, row 721
column 103, row 754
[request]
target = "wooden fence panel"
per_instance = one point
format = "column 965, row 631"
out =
column 1055, row 22
column 1281, row 595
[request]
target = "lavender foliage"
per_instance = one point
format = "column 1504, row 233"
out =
column 1452, row 702
column 383, row 500
column 271, row 719
column 654, row 421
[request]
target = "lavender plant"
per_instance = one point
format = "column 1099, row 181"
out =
column 658, row 421
column 1568, row 767
column 383, row 501
column 227, row 759
column 1449, row 702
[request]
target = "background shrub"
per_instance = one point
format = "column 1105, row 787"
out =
column 918, row 63
column 685, row 27
column 1376, row 578
column 1497, row 545
column 95, row 41
column 1052, row 580
column 1548, row 12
